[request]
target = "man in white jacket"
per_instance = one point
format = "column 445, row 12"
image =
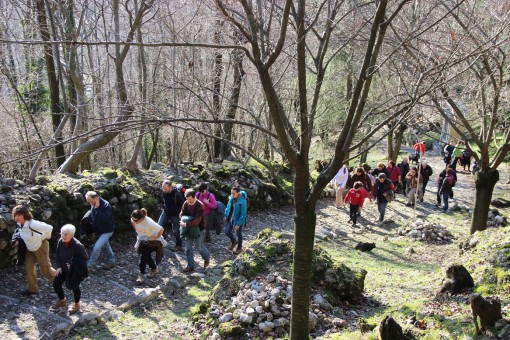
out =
column 35, row 234
column 339, row 183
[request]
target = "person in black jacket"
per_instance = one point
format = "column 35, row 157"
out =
column 103, row 225
column 440, row 180
column 383, row 191
column 425, row 172
column 174, row 200
column 404, row 169
column 71, row 267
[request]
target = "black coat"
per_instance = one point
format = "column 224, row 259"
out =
column 404, row 169
column 102, row 218
column 173, row 202
column 76, row 256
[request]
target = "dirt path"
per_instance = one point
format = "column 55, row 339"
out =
column 396, row 277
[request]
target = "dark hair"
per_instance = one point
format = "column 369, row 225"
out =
column 414, row 168
column 202, row 187
column 138, row 214
column 190, row 192
column 360, row 169
column 392, row 163
column 358, row 185
column 381, row 175
column 23, row 211
column 236, row 189
column 449, row 171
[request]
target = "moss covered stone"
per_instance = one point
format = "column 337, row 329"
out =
column 223, row 172
column 230, row 329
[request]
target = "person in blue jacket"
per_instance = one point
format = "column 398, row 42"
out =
column 235, row 218
column 103, row 225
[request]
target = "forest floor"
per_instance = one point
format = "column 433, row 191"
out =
column 400, row 282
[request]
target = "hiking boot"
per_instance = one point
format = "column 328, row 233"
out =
column 60, row 304
column 238, row 251
column 74, row 309
column 108, row 266
column 153, row 272
column 188, row 269
column 140, row 279
column 206, row 263
column 26, row 292
column 232, row 246
column 177, row 249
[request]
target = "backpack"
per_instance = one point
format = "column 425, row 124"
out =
column 245, row 195
column 182, row 188
column 451, row 180
column 465, row 153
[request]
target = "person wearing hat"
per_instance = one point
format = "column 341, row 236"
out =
column 383, row 192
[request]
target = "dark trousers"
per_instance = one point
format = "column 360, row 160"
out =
column 59, row 281
column 145, row 250
column 353, row 209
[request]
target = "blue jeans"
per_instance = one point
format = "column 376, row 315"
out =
column 175, row 226
column 228, row 231
column 381, row 206
column 445, row 200
column 102, row 242
column 199, row 244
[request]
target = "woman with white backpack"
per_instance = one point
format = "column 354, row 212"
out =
column 35, row 234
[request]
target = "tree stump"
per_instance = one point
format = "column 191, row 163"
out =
column 389, row 329
column 457, row 278
column 488, row 310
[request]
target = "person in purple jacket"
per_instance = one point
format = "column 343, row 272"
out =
column 209, row 201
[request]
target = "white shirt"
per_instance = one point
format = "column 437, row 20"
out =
column 146, row 229
column 341, row 177
column 34, row 233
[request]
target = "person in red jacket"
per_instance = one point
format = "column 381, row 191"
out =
column 420, row 147
column 357, row 196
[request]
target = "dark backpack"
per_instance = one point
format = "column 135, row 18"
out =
column 182, row 188
column 466, row 154
column 451, row 180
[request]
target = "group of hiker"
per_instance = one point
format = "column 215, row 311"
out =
column 191, row 214
column 354, row 185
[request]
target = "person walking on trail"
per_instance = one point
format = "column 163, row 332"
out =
column 339, row 183
column 415, row 186
column 440, row 179
column 173, row 201
column 425, row 172
column 404, row 169
column 383, row 192
column 193, row 229
column 360, row 176
column 356, row 197
column 457, row 154
column 71, row 263
column 380, row 168
column 103, row 225
column 448, row 152
column 35, row 234
column 235, row 218
column 394, row 174
column 420, row 148
column 209, row 202
column 447, row 188
column 149, row 239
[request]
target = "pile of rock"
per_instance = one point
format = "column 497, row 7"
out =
column 495, row 219
column 262, row 307
column 427, row 231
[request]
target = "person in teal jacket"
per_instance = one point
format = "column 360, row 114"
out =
column 235, row 218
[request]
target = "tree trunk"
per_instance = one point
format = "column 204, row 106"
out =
column 218, row 68
column 304, row 226
column 56, row 110
column 305, row 220
column 237, row 56
column 485, row 180
column 389, row 144
column 399, row 136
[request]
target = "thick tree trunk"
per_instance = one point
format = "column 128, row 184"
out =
column 304, row 233
column 485, row 180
